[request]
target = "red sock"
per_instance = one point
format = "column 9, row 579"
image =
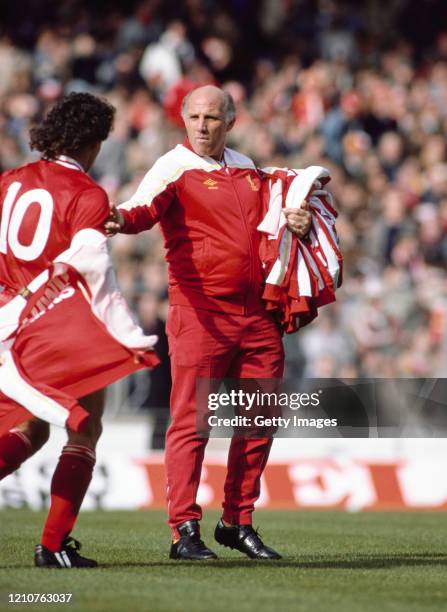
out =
column 15, row 447
column 68, row 488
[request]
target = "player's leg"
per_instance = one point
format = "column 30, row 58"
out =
column 20, row 442
column 261, row 357
column 68, row 488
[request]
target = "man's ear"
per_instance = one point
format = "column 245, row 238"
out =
column 230, row 125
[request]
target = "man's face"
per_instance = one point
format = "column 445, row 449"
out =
column 206, row 125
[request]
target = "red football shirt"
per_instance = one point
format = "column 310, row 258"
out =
column 42, row 206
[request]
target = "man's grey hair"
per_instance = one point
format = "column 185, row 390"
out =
column 229, row 108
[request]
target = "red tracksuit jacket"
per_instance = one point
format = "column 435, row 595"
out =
column 208, row 214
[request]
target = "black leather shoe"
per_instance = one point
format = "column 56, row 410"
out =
column 245, row 539
column 190, row 547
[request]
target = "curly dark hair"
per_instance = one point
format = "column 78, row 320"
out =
column 76, row 121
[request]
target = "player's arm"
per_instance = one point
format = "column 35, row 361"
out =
column 89, row 256
column 147, row 205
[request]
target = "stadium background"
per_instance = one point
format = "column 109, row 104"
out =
column 360, row 88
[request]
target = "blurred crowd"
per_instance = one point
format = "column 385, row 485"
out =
column 360, row 88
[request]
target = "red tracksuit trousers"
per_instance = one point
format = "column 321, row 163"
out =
column 209, row 344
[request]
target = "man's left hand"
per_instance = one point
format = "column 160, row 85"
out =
column 298, row 219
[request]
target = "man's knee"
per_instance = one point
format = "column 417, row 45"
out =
column 36, row 431
column 94, row 404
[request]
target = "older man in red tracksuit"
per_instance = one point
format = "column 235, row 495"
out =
column 207, row 199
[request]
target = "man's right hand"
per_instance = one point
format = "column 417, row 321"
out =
column 114, row 222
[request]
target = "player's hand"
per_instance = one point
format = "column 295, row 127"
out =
column 298, row 219
column 114, row 222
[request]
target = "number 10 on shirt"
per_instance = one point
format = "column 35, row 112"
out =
column 13, row 213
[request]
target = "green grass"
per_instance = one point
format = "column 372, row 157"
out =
column 370, row 562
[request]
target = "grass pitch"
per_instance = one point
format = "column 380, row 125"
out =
column 367, row 562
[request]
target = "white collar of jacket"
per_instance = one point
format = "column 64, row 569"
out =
column 230, row 159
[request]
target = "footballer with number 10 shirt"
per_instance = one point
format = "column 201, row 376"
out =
column 75, row 334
